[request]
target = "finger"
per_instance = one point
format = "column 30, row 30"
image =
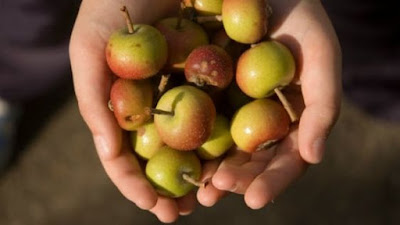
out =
column 237, row 157
column 223, row 180
column 125, row 172
column 238, row 177
column 92, row 83
column 187, row 204
column 282, row 171
column 209, row 195
column 166, row 210
column 321, row 88
column 264, row 155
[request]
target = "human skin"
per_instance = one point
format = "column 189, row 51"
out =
column 302, row 25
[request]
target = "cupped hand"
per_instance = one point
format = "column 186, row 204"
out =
column 305, row 28
column 97, row 19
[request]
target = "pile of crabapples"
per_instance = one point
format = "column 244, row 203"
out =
column 191, row 87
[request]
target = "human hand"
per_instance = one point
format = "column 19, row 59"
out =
column 92, row 81
column 304, row 27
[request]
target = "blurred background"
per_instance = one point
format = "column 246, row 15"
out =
column 56, row 178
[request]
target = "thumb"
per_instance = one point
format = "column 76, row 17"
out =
column 321, row 88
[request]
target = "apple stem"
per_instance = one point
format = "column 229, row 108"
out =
column 153, row 111
column 163, row 84
column 204, row 19
column 180, row 16
column 269, row 11
column 190, row 179
column 128, row 19
column 110, row 106
column 266, row 145
column 199, row 82
column 286, row 104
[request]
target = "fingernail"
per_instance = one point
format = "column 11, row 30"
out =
column 318, row 149
column 185, row 213
column 233, row 188
column 102, row 146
